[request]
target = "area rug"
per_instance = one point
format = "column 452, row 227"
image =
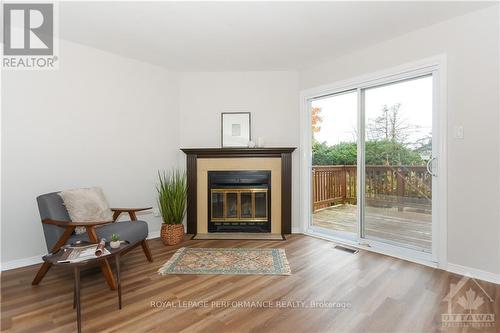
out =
column 230, row 261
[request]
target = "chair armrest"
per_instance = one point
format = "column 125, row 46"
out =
column 74, row 224
column 126, row 210
column 131, row 212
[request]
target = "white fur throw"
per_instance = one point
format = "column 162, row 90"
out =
column 86, row 205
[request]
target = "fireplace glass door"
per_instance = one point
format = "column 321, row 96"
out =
column 239, row 205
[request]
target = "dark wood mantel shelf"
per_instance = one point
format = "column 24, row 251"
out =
column 238, row 152
column 284, row 153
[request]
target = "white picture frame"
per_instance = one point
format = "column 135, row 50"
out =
column 235, row 129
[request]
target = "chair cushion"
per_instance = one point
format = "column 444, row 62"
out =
column 132, row 231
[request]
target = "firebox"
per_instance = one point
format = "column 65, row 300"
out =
column 239, row 201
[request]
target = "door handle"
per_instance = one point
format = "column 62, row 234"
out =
column 429, row 167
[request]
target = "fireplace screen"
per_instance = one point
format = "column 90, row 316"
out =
column 239, row 201
column 239, row 205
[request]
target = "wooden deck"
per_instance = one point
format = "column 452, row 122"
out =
column 406, row 227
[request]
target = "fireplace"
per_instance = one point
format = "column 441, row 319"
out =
column 239, row 201
column 242, row 167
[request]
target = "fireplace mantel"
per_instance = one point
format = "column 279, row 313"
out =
column 283, row 153
column 238, row 152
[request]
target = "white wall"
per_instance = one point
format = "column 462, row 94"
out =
column 99, row 120
column 271, row 97
column 471, row 44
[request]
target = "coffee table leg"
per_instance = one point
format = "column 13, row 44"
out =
column 118, row 280
column 77, row 293
column 74, row 293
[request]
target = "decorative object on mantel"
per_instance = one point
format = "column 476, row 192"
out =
column 235, row 129
column 251, row 144
column 227, row 261
column 260, row 142
column 172, row 194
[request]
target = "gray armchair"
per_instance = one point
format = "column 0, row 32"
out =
column 58, row 230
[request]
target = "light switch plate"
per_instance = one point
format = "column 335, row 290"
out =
column 458, row 132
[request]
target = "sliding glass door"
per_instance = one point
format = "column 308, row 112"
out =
column 397, row 186
column 334, row 164
column 373, row 163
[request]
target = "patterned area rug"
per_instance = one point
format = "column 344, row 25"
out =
column 240, row 261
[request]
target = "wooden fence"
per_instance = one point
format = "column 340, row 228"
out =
column 385, row 186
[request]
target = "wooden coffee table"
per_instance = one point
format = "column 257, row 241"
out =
column 78, row 266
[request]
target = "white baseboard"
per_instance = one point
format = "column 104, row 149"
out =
column 296, row 230
column 23, row 262
column 154, row 234
column 473, row 273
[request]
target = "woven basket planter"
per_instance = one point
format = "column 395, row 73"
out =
column 172, row 234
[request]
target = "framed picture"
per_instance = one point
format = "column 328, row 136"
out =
column 235, row 129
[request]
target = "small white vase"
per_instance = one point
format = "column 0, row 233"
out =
column 260, row 142
column 251, row 144
column 114, row 244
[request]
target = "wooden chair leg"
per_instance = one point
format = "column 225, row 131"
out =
column 146, row 250
column 105, row 267
column 41, row 273
column 46, row 266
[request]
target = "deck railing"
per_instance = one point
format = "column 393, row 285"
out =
column 385, row 186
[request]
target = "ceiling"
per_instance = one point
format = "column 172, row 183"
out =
column 223, row 36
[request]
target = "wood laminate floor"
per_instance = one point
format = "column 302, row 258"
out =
column 381, row 294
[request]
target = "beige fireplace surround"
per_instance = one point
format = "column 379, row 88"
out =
column 205, row 165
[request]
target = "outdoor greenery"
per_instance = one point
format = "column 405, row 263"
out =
column 172, row 195
column 378, row 152
column 386, row 143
